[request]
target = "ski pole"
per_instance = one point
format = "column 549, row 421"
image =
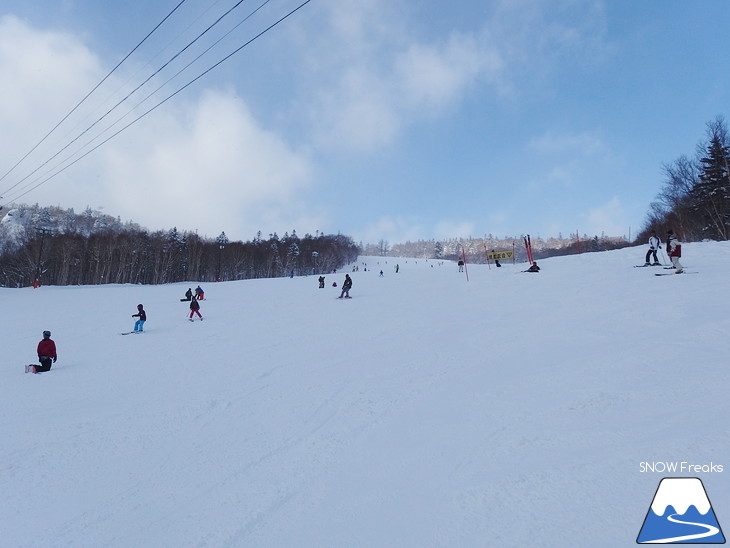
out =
column 666, row 258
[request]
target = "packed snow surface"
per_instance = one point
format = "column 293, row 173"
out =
column 507, row 410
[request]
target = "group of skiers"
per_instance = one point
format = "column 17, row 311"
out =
column 346, row 286
column 194, row 304
column 674, row 251
column 47, row 354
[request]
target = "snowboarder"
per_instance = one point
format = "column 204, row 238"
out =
column 674, row 250
column 199, row 293
column 654, row 244
column 46, row 354
column 321, row 282
column 142, row 315
column 533, row 268
column 496, row 259
column 346, row 287
column 195, row 309
column 188, row 295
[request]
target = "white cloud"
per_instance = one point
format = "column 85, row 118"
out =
column 609, row 219
column 392, row 230
column 209, row 165
column 454, row 229
column 432, row 76
column 381, row 78
column 205, row 163
column 44, row 74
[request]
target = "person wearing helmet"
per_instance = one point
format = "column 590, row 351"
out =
column 46, row 353
column 142, row 315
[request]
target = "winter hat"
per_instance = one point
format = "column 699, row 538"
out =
column 46, row 334
column 140, row 307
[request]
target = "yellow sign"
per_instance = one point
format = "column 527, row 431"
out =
column 499, row 255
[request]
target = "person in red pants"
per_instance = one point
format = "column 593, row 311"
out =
column 195, row 309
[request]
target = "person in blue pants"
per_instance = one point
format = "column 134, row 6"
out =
column 142, row 315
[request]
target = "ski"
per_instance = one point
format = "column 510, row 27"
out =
column 673, row 273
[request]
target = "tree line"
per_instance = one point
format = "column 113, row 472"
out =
column 58, row 247
column 694, row 199
column 476, row 249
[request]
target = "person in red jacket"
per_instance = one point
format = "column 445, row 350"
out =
column 674, row 250
column 46, row 353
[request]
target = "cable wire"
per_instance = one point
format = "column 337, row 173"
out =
column 89, row 94
column 147, row 112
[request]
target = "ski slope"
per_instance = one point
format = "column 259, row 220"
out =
column 509, row 410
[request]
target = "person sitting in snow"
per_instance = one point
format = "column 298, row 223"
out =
column 46, row 354
column 533, row 268
column 188, row 295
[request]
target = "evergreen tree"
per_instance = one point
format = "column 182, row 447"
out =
column 710, row 196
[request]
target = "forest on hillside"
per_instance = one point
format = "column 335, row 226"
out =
column 60, row 247
column 694, row 200
column 476, row 250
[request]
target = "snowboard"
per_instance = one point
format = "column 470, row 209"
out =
column 30, row 369
column 131, row 332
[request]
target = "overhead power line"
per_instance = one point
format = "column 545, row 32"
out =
column 160, row 103
column 89, row 94
column 125, row 98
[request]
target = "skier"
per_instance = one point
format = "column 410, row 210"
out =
column 654, row 244
column 346, row 287
column 674, row 250
column 46, row 354
column 142, row 315
column 199, row 293
column 321, row 282
column 195, row 309
column 461, row 265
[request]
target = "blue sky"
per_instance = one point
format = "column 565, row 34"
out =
column 380, row 119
